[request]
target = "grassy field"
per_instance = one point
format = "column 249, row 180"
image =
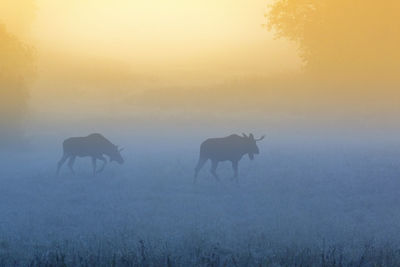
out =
column 295, row 205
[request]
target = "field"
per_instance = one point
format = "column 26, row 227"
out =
column 297, row 204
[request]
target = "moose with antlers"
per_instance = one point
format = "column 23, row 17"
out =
column 231, row 148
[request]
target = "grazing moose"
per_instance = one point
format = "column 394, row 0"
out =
column 230, row 148
column 94, row 146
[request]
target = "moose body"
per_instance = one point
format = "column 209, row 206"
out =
column 94, row 146
column 231, row 148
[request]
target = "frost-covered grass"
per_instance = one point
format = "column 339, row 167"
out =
column 147, row 254
column 294, row 205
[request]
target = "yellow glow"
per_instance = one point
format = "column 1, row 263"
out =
column 192, row 58
column 18, row 15
column 160, row 31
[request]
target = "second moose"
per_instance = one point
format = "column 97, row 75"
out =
column 231, row 148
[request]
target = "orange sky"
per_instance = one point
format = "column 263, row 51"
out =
column 136, row 57
column 173, row 33
column 117, row 47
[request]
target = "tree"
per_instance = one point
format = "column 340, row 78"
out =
column 16, row 71
column 341, row 37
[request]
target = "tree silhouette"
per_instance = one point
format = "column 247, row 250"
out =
column 16, row 70
column 355, row 37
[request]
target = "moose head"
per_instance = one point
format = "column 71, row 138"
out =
column 251, row 145
column 115, row 155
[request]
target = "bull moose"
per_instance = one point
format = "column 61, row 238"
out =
column 94, row 146
column 231, row 148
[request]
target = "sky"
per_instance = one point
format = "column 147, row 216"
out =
column 133, row 57
column 174, row 34
column 177, row 60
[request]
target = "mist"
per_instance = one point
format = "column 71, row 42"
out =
column 156, row 80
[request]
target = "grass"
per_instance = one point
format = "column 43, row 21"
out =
column 143, row 253
column 149, row 213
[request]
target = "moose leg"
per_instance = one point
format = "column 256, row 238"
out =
column 94, row 164
column 200, row 165
column 61, row 162
column 214, row 165
column 71, row 162
column 235, row 169
column 102, row 158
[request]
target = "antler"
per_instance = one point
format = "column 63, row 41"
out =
column 261, row 138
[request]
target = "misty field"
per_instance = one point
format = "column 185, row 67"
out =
column 297, row 204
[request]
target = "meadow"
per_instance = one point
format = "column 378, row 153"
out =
column 299, row 203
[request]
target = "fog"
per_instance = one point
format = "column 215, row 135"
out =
column 297, row 193
column 318, row 78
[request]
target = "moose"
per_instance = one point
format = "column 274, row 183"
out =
column 94, row 146
column 231, row 148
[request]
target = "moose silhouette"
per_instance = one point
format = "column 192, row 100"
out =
column 94, row 146
column 231, row 148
